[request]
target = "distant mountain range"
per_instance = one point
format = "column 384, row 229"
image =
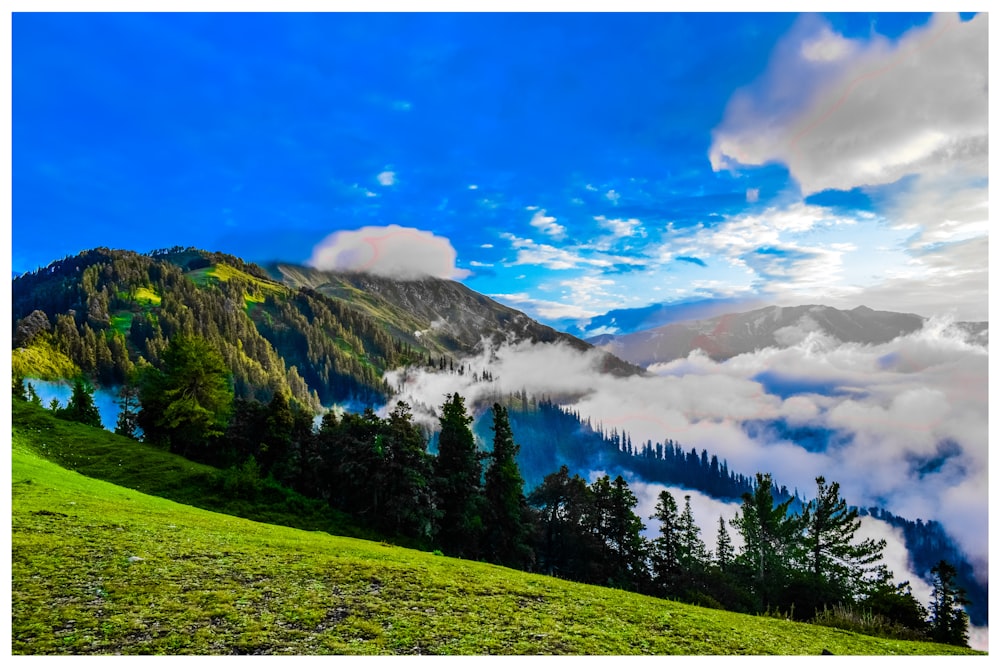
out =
column 622, row 321
column 725, row 336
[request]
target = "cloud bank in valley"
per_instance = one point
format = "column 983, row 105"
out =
column 910, row 416
column 405, row 253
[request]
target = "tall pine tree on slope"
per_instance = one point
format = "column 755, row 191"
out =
column 770, row 542
column 840, row 567
column 507, row 517
column 457, row 482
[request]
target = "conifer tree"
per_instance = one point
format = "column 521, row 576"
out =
column 724, row 547
column 458, row 481
column 18, row 390
column 620, row 530
column 949, row 622
column 834, row 560
column 507, row 517
column 33, row 396
column 693, row 555
column 80, row 407
column 186, row 404
column 409, row 502
column 664, row 552
column 128, row 403
column 770, row 542
column 565, row 548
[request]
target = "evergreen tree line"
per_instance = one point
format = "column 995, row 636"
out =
column 550, row 432
column 472, row 504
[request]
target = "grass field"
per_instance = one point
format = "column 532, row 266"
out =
column 101, row 569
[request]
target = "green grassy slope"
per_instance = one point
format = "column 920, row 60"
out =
column 99, row 569
column 113, row 458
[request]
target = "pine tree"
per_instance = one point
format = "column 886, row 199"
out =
column 18, row 389
column 507, row 517
column 770, row 542
column 664, row 552
column 693, row 555
column 409, row 502
column 128, row 402
column 724, row 547
column 80, row 407
column 565, row 547
column 949, row 622
column 187, row 404
column 458, row 482
column 620, row 530
column 840, row 567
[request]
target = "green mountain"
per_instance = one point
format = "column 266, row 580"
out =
column 100, row 566
column 440, row 315
column 320, row 337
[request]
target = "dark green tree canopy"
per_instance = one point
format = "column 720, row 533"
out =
column 80, row 407
column 833, row 557
column 507, row 516
column 186, row 402
column 458, row 481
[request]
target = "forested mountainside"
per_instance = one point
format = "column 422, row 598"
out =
column 440, row 315
column 104, row 311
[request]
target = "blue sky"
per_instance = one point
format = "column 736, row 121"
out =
column 566, row 164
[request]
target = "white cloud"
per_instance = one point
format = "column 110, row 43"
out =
column 843, row 114
column 618, row 227
column 387, row 178
column 396, row 252
column 546, row 223
column 590, row 291
column 566, row 257
column 541, row 308
column 479, row 264
column 753, row 194
column 486, row 245
column 827, row 47
column 612, row 196
column 898, row 402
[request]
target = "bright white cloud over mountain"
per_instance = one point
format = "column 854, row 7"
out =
column 392, row 251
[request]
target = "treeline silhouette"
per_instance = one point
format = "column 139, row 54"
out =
column 472, row 504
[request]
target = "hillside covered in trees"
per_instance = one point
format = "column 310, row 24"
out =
column 269, row 356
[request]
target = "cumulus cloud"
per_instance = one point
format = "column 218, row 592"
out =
column 395, row 252
column 547, row 224
column 910, row 416
column 387, row 178
column 846, row 113
column 905, row 120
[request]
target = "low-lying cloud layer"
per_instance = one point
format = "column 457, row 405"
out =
column 405, row 253
column 911, row 415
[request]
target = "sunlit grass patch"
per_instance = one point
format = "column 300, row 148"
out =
column 122, row 321
column 42, row 360
column 147, row 297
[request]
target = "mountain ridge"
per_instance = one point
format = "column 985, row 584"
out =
column 725, row 336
